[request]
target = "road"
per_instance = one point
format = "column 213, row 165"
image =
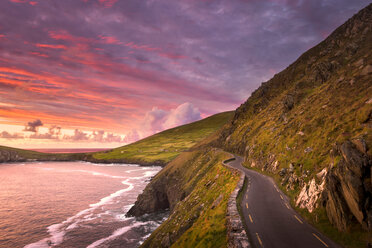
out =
column 270, row 220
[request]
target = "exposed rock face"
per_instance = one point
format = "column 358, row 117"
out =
column 309, row 195
column 10, row 156
column 348, row 193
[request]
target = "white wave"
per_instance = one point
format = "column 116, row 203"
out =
column 109, row 198
column 58, row 231
column 116, row 233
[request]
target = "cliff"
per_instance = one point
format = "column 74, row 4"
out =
column 310, row 128
column 196, row 188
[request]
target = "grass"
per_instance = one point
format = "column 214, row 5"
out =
column 165, row 146
column 326, row 112
column 24, row 155
column 198, row 220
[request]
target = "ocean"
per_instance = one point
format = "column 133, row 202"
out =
column 73, row 204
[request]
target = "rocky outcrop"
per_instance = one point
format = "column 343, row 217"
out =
column 309, row 195
column 237, row 237
column 348, row 189
column 10, row 156
column 153, row 199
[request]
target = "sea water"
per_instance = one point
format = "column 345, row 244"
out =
column 73, row 204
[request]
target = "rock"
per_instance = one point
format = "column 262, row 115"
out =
column 165, row 242
column 309, row 195
column 308, row 149
column 217, row 202
column 360, row 143
column 322, row 174
column 282, row 172
column 300, row 133
column 291, row 168
column 366, row 70
column 288, row 102
column 348, row 187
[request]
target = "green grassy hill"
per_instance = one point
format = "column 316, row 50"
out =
column 157, row 149
column 9, row 154
column 165, row 146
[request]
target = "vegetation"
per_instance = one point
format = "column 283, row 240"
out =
column 165, row 146
column 296, row 120
column 199, row 220
column 9, row 154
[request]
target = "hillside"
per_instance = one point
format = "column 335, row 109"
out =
column 157, row 149
column 164, row 146
column 310, row 127
column 196, row 187
column 9, row 154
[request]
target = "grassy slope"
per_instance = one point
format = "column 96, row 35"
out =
column 193, row 222
column 165, row 146
column 332, row 103
column 33, row 155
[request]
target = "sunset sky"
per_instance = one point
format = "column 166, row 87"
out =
column 102, row 73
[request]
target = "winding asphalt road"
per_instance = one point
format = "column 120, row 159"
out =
column 270, row 220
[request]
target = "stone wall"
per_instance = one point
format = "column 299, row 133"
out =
column 237, row 237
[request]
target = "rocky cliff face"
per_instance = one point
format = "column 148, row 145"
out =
column 348, row 192
column 10, row 156
column 311, row 125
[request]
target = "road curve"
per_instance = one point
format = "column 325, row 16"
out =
column 270, row 220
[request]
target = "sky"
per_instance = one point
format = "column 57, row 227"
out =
column 103, row 73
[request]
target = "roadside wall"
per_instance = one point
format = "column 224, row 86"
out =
column 237, row 237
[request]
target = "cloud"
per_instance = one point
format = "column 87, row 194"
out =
column 6, row 135
column 158, row 120
column 99, row 136
column 131, row 136
column 155, row 119
column 77, row 136
column 107, row 3
column 183, row 114
column 111, row 137
column 33, row 126
column 53, row 133
column 99, row 65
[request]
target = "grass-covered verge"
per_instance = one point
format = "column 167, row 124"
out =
column 199, row 220
column 165, row 146
column 355, row 238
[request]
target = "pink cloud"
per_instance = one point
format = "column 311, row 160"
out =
column 51, row 46
column 25, row 1
column 131, row 136
column 107, row 3
column 158, row 120
column 110, row 40
column 142, row 47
